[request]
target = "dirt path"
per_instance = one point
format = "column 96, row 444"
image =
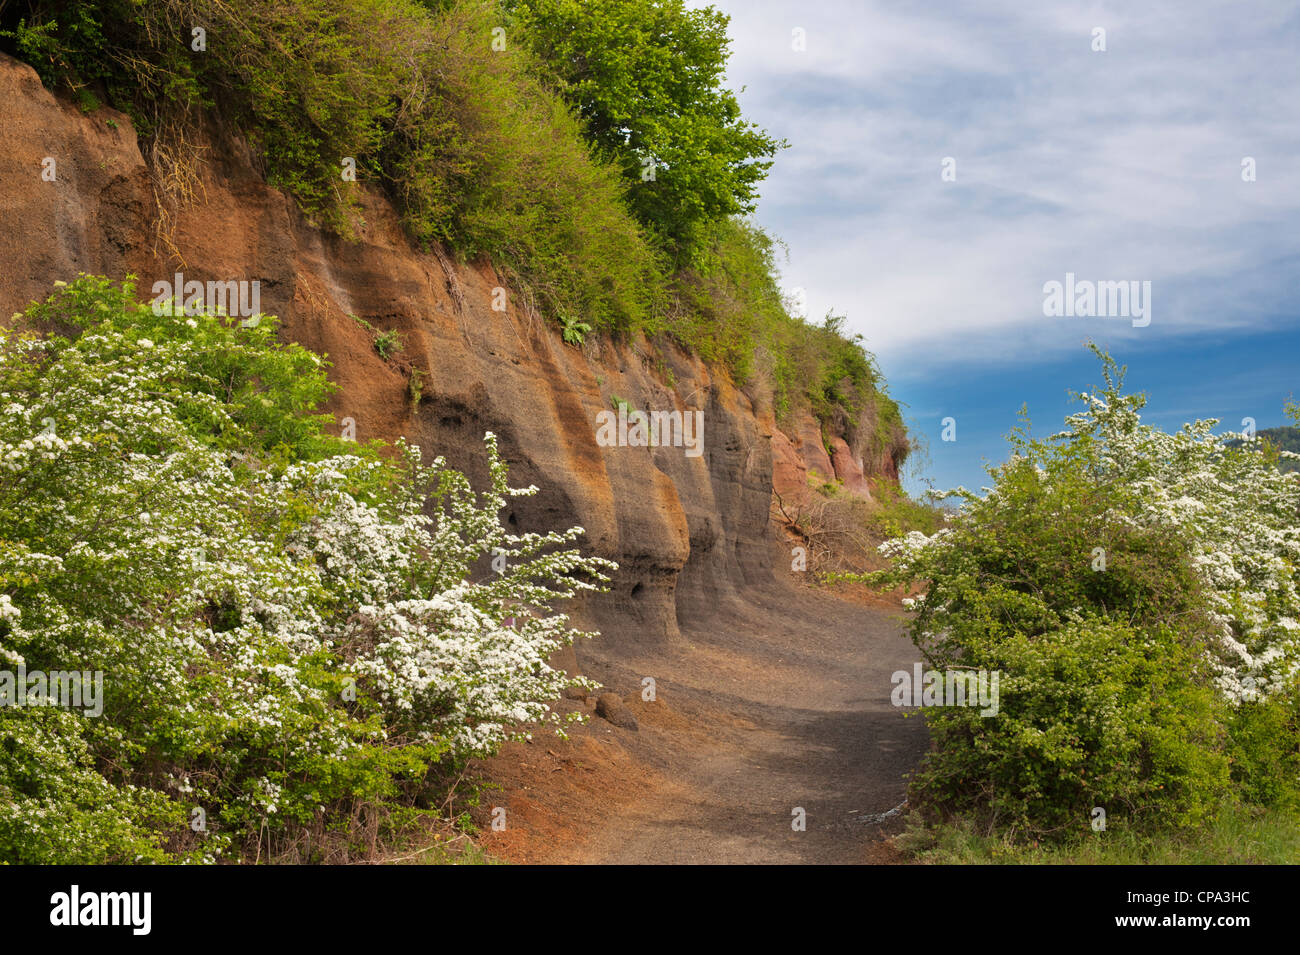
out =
column 769, row 706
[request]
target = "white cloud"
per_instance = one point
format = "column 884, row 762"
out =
column 1115, row 165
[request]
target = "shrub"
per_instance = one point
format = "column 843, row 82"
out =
column 896, row 514
column 1107, row 536
column 56, row 808
column 287, row 624
column 388, row 342
column 1265, row 736
column 1093, row 714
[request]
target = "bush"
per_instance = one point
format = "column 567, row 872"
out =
column 287, row 625
column 1094, row 714
column 1265, row 736
column 1108, row 536
column 896, row 514
column 55, row 808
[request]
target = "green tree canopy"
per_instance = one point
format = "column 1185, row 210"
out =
column 646, row 78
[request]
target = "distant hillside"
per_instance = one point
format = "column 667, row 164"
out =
column 1284, row 439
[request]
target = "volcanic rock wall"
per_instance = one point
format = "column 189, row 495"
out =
column 690, row 533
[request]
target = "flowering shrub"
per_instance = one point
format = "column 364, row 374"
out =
column 1139, row 591
column 287, row 623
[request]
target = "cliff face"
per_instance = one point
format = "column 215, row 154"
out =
column 691, row 533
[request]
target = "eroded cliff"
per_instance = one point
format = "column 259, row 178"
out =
column 691, row 534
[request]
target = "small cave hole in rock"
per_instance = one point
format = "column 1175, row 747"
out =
column 637, row 589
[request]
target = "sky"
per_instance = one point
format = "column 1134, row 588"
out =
column 1128, row 164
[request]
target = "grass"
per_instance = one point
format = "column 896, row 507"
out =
column 460, row 850
column 388, row 342
column 385, row 342
column 896, row 513
column 1236, row 836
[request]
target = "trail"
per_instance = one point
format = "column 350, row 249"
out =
column 769, row 706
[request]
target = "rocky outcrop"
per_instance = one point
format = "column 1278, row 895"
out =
column 610, row 706
column 686, row 530
column 848, row 469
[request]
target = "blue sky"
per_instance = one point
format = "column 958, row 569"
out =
column 1122, row 165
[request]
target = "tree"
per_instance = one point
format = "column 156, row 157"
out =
column 645, row 76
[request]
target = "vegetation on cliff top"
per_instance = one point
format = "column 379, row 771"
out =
column 589, row 148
